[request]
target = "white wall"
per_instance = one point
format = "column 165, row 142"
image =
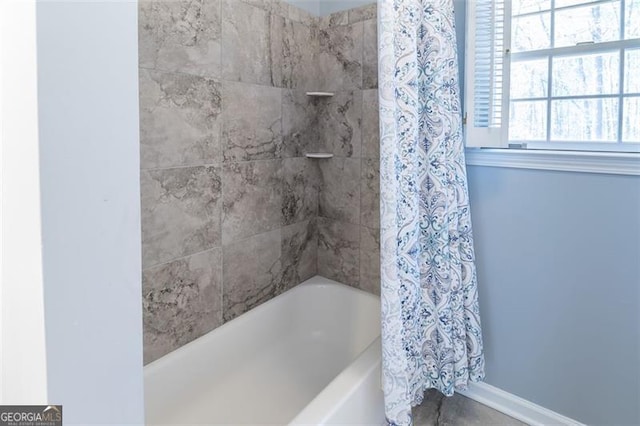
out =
column 89, row 150
column 22, row 331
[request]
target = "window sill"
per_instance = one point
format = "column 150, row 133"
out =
column 617, row 163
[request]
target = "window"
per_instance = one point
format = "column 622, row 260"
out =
column 553, row 74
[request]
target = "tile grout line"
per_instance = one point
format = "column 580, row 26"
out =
column 225, row 163
column 361, row 167
column 222, row 174
column 166, row 262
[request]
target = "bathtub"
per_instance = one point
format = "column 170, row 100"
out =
column 309, row 356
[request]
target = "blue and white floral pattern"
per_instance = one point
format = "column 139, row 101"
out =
column 430, row 318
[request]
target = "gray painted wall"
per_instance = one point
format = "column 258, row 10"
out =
column 558, row 257
column 89, row 150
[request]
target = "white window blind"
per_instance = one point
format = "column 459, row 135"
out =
column 553, row 74
column 487, row 76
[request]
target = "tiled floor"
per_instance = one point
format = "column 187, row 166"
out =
column 439, row 410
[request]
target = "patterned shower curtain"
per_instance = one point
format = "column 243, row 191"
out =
column 430, row 319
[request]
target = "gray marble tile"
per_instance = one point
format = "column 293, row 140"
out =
column 370, row 55
column 339, row 59
column 299, row 252
column 294, row 46
column 369, row 260
column 370, row 193
column 340, row 122
column 252, row 122
column 252, row 272
column 299, row 123
column 281, row 8
column 276, row 7
column 278, row 27
column 339, row 251
column 301, row 183
column 340, row 191
column 439, row 410
column 370, row 124
column 246, row 43
column 252, row 199
column 300, row 15
column 182, row 300
column 363, row 13
column 334, row 19
column 181, row 210
column 179, row 119
column 180, row 35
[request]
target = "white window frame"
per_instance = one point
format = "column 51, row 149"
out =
column 578, row 156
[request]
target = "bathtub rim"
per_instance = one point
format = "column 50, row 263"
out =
column 367, row 366
column 316, row 281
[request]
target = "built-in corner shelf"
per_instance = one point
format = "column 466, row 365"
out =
column 320, row 94
column 318, row 155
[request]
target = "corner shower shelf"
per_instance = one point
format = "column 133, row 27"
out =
column 318, row 155
column 320, row 94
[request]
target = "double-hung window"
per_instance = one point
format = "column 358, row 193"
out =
column 553, row 74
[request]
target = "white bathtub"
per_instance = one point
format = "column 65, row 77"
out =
column 309, row 356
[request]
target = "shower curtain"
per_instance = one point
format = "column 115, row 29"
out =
column 431, row 334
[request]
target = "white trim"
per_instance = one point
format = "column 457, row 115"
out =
column 617, row 163
column 516, row 407
column 585, row 49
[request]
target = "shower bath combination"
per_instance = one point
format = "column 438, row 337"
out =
column 259, row 172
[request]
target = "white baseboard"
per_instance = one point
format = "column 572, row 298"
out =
column 516, row 407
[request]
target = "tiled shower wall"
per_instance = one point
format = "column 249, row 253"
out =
column 348, row 206
column 232, row 212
